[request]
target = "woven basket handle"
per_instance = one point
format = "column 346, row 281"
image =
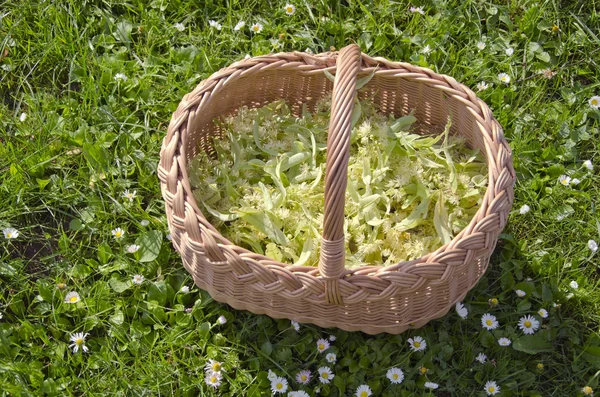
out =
column 332, row 260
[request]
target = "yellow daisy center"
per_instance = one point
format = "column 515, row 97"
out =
column 417, row 344
column 488, row 322
column 423, row 370
column 290, row 9
column 554, row 28
column 213, row 379
column 494, row 301
column 321, row 346
column 73, row 299
column 540, row 366
column 491, row 389
column 216, row 367
column 527, row 323
column 279, row 386
column 595, row 102
column 9, row 235
column 364, row 394
column 118, row 234
column 395, row 376
column 325, row 375
column 255, row 28
column 303, row 377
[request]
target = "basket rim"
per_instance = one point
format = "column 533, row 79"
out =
column 308, row 64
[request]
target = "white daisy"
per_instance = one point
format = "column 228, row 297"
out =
column 133, row 248
column 239, row 25
column 520, row 293
column 279, row 385
column 295, row 325
column 529, row 324
column 481, row 358
column 138, row 279
column 564, row 180
column 595, row 102
column 256, row 28
column 417, row 10
column 72, row 297
column 169, row 237
column 573, row 284
column 118, row 233
column 482, row 86
column 214, row 24
column 303, row 377
column 543, row 313
column 325, row 374
column 488, row 321
column 78, row 340
column 299, row 393
column 222, row 320
column 491, row 388
column 588, row 164
column 213, row 366
column 431, row 385
column 417, row 343
column 332, row 338
column 480, row 45
column 290, row 9
column 120, row 77
column 1, row 316
column 504, row 342
column 271, row 376
column 331, row 358
column 363, row 391
column 145, row 222
column 426, row 50
column 23, row 117
column 524, row 209
column 503, row 77
column 322, row 345
column 587, row 390
column 179, row 26
column 395, row 375
column 130, row 195
column 575, row 181
column 213, row 379
column 592, row 245
column 185, row 289
column 461, row 310
column 509, row 51
column 10, row 232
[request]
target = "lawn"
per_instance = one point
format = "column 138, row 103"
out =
column 95, row 300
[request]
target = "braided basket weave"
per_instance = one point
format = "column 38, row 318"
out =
column 372, row 299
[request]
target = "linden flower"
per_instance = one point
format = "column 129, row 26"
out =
column 303, row 377
column 23, row 117
column 222, row 320
column 573, row 284
column 491, row 388
column 395, row 375
column 587, row 390
column 179, row 26
column 592, row 245
column 504, row 342
column 564, row 180
column 72, row 297
column 509, row 51
column 595, row 102
column 325, row 374
column 331, row 357
column 481, row 358
column 214, row 24
column 503, row 77
column 138, row 279
column 279, row 385
column 488, row 321
column 256, row 28
column 543, row 313
column 239, row 25
column 416, row 344
column 431, row 385
column 417, row 10
column 363, row 391
column 213, row 366
column 10, row 232
column 480, row 45
column 130, row 195
column 185, row 289
column 118, row 232
column 520, row 293
column 529, row 324
column 524, row 209
column 78, row 340
column 322, row 345
column 588, row 164
column 133, row 248
column 213, row 379
column 295, row 325
column 290, row 9
column 482, row 86
column 461, row 310
column 120, row 77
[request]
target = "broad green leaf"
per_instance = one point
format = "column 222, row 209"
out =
column 158, row 292
column 119, row 285
column 307, row 250
column 440, row 220
column 532, row 344
column 150, row 243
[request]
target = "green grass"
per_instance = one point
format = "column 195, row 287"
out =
column 88, row 137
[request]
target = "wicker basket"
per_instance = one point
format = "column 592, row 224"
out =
column 372, row 299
